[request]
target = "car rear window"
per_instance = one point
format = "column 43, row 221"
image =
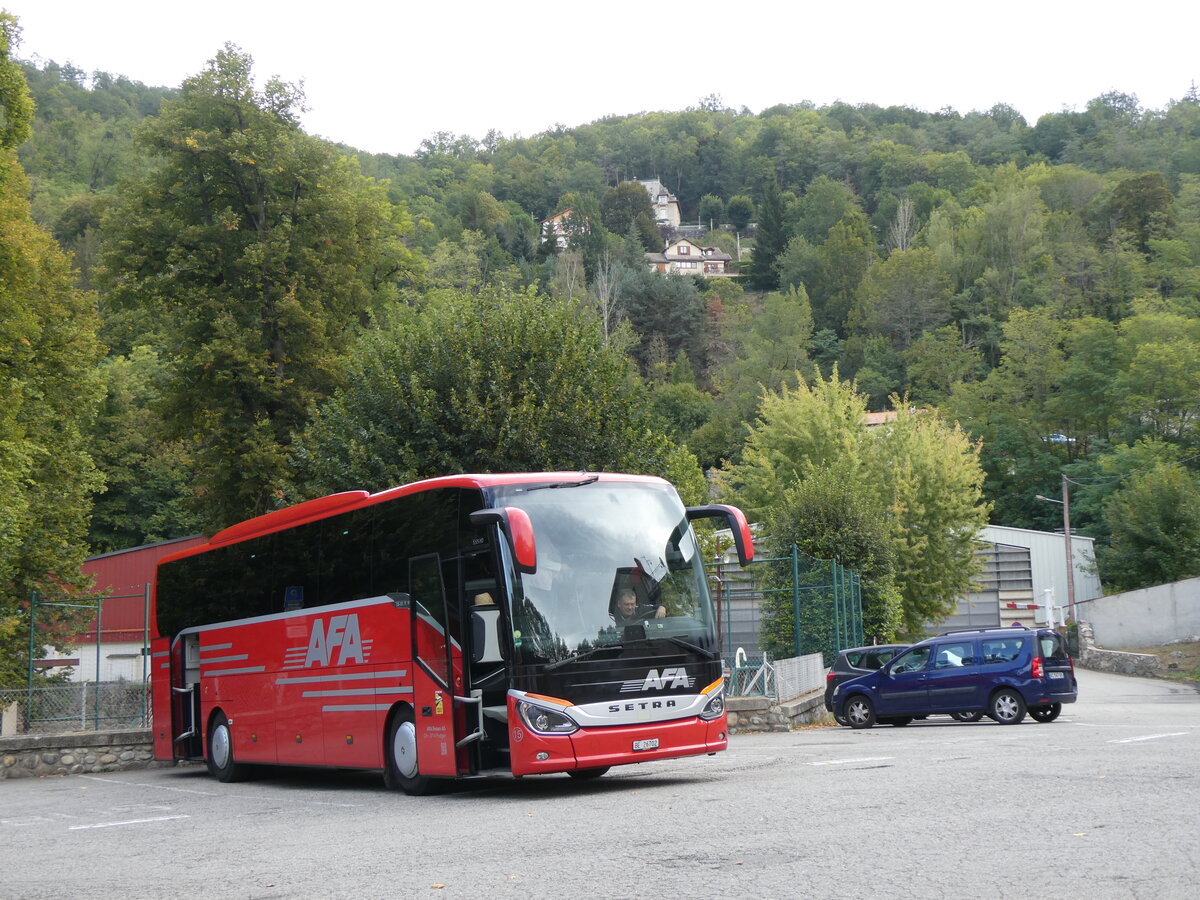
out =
column 853, row 658
column 995, row 650
column 1053, row 646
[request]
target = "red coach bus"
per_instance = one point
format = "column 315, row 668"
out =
column 461, row 626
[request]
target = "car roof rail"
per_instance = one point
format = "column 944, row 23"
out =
column 990, row 628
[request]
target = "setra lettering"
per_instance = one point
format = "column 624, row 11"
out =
column 342, row 635
column 640, row 705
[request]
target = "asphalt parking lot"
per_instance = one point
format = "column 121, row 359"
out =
column 1101, row 803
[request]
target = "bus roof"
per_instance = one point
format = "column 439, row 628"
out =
column 323, row 507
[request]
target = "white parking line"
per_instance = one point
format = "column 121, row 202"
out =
column 161, row 787
column 126, row 822
column 843, row 762
column 1149, row 737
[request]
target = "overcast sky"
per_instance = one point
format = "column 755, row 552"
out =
column 383, row 76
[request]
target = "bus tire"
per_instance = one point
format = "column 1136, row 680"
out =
column 400, row 771
column 588, row 774
column 220, row 761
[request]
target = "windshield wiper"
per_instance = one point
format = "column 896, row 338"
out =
column 576, row 656
column 690, row 646
column 591, row 479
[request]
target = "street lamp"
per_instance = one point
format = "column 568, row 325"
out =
column 1065, row 502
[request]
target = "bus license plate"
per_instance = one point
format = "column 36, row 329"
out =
column 1056, row 674
column 651, row 744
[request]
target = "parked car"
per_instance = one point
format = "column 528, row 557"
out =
column 999, row 672
column 854, row 662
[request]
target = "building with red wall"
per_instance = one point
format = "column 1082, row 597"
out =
column 122, row 579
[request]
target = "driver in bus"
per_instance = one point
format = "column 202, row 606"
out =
column 628, row 610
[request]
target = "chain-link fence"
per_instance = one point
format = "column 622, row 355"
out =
column 796, row 603
column 81, row 706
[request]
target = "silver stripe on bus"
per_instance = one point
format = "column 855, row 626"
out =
column 244, row 671
column 240, row 656
column 358, row 692
column 349, row 676
column 290, row 614
column 208, row 648
column 366, row 707
column 162, row 653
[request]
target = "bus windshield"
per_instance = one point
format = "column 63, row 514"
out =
column 617, row 566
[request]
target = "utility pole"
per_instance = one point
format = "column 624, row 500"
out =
column 1066, row 505
column 1066, row 493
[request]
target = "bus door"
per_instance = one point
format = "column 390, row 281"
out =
column 439, row 718
column 187, row 728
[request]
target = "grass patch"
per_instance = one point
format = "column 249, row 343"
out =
column 1180, row 662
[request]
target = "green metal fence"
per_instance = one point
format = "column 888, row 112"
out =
column 822, row 597
column 78, row 706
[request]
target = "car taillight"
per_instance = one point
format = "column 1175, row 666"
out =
column 829, row 678
column 1038, row 671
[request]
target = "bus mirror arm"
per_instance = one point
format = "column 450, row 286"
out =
column 518, row 531
column 742, row 540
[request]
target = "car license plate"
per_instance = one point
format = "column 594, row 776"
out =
column 651, row 744
column 1056, row 674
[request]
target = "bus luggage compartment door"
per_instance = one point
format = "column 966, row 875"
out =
column 437, row 671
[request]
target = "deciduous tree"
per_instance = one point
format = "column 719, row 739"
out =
column 48, row 392
column 490, row 383
column 259, row 250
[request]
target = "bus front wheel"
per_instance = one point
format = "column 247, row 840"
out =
column 221, row 764
column 401, row 772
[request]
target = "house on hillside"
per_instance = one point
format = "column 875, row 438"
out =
column 686, row 257
column 561, row 226
column 666, row 204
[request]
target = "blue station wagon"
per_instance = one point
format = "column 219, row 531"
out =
column 999, row 672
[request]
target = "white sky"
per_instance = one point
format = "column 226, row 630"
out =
column 383, row 76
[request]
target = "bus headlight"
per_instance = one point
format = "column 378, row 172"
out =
column 714, row 707
column 543, row 720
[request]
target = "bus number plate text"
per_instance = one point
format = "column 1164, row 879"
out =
column 650, row 744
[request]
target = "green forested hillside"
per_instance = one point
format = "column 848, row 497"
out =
column 1037, row 284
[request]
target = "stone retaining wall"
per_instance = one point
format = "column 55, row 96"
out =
column 748, row 714
column 1121, row 662
column 76, row 754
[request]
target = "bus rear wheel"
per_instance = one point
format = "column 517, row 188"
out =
column 221, row 764
column 401, row 772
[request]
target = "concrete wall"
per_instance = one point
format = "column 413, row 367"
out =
column 1144, row 665
column 1150, row 617
column 76, row 754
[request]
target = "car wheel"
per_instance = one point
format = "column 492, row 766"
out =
column 220, row 760
column 841, row 720
column 1007, row 707
column 973, row 716
column 401, row 771
column 588, row 774
column 1045, row 713
column 859, row 711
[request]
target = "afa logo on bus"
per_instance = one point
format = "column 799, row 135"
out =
column 341, row 634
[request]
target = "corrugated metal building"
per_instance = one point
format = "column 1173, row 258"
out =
column 1020, row 566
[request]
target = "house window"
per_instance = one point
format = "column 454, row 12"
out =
column 685, row 265
column 684, row 250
